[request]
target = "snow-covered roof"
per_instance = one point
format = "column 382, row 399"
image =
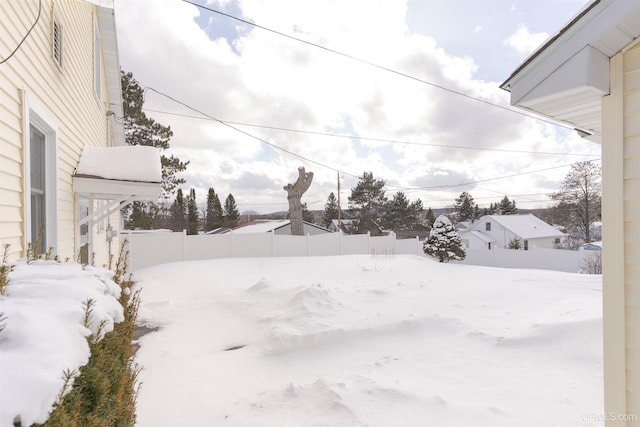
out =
column 129, row 163
column 115, row 172
column 526, row 226
column 261, row 226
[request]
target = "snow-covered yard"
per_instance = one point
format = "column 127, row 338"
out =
column 360, row 340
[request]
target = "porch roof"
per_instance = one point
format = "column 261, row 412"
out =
column 114, row 173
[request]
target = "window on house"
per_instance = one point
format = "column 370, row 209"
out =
column 97, row 62
column 487, row 226
column 557, row 241
column 489, row 245
column 40, row 178
column 57, row 41
column 526, row 245
column 37, row 157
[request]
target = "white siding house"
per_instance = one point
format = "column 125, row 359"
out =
column 588, row 75
column 59, row 93
column 498, row 231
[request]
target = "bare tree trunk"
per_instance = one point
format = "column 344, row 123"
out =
column 294, row 195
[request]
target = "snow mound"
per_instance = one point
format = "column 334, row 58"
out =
column 44, row 334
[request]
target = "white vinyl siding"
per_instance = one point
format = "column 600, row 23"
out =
column 621, row 236
column 68, row 102
column 97, row 62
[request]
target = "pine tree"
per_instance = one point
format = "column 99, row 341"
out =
column 466, row 207
column 178, row 213
column 402, row 215
column 443, row 242
column 330, row 210
column 307, row 215
column 142, row 130
column 366, row 204
column 214, row 217
column 193, row 220
column 507, row 207
column 231, row 213
column 430, row 218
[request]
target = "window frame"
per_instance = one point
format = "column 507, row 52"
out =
column 487, row 226
column 97, row 61
column 38, row 117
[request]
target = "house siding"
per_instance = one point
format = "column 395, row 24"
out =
column 621, row 237
column 631, row 177
column 65, row 92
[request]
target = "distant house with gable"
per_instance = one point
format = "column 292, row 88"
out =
column 343, row 226
column 498, row 231
column 279, row 227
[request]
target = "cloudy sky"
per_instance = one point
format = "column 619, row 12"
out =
column 288, row 104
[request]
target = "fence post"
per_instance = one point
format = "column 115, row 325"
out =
column 184, row 245
column 369, row 242
column 273, row 243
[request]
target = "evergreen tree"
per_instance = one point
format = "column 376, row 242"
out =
column 214, row 216
column 142, row 130
column 193, row 220
column 465, row 207
column 430, row 218
column 178, row 213
column 507, row 207
column 443, row 242
column 366, row 204
column 330, row 210
column 402, row 215
column 307, row 215
column 581, row 191
column 231, row 212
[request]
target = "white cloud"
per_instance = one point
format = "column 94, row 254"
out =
column 524, row 41
column 262, row 78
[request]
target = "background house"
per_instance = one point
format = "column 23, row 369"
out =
column 60, row 92
column 588, row 75
column 498, row 231
column 279, row 227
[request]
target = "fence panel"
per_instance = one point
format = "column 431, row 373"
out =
column 148, row 249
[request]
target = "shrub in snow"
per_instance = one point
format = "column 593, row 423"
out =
column 443, row 242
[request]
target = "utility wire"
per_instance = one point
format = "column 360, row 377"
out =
column 336, row 135
column 25, row 36
column 381, row 67
column 343, row 172
column 249, row 134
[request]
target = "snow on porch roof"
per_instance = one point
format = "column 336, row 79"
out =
column 112, row 172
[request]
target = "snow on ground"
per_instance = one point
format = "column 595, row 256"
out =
column 367, row 341
column 44, row 332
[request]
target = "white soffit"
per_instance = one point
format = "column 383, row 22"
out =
column 567, row 77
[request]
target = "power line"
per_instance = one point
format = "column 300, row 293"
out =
column 338, row 170
column 337, row 135
column 25, row 36
column 250, row 135
column 381, row 67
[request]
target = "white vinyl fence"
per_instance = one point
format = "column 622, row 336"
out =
column 153, row 248
column 148, row 249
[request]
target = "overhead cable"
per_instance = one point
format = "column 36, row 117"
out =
column 380, row 67
column 25, row 36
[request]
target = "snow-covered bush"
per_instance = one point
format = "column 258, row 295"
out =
column 443, row 242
